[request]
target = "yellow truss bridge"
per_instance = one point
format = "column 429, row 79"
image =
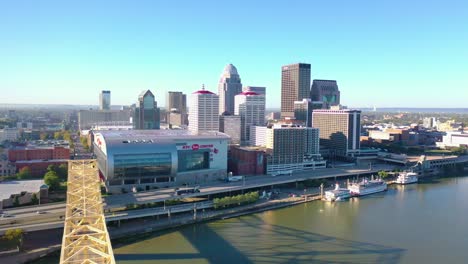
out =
column 85, row 237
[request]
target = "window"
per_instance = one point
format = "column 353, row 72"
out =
column 141, row 165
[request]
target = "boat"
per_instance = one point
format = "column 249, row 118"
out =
column 338, row 194
column 366, row 187
column 407, row 178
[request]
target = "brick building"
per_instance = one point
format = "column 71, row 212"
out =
column 38, row 158
column 247, row 160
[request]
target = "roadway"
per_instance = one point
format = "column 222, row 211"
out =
column 27, row 217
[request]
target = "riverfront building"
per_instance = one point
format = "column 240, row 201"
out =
column 146, row 159
column 250, row 106
column 295, row 86
column 292, row 148
column 340, row 130
column 229, row 86
column 203, row 111
column 454, row 139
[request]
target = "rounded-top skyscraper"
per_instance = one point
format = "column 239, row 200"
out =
column 228, row 87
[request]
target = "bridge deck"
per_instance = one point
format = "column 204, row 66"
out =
column 85, row 236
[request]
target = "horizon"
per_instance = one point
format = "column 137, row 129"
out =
column 380, row 54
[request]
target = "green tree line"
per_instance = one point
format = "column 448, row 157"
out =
column 240, row 199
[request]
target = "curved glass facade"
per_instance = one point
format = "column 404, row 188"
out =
column 142, row 165
column 193, row 160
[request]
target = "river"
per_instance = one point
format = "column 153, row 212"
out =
column 420, row 223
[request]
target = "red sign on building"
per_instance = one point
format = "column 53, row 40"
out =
column 195, row 147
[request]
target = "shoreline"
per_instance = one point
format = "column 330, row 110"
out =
column 122, row 236
column 140, row 231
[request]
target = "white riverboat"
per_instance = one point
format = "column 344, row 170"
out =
column 407, row 178
column 366, row 187
column 338, row 194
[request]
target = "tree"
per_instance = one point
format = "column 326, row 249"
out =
column 34, row 199
column 24, row 173
column 43, row 136
column 15, row 235
column 58, row 135
column 382, row 174
column 51, row 178
column 62, row 171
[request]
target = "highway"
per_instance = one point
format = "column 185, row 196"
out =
column 28, row 218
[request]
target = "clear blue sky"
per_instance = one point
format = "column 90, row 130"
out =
column 383, row 53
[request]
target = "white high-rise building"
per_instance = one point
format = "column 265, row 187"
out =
column 203, row 111
column 250, row 106
column 229, row 86
column 257, row 89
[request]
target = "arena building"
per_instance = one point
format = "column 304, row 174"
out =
column 148, row 159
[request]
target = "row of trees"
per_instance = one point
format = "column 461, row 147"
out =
column 240, row 199
column 55, row 175
column 14, row 237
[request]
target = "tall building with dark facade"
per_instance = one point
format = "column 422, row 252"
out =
column 176, row 108
column 104, row 100
column 228, row 87
column 295, row 86
column 146, row 114
column 325, row 91
column 340, row 130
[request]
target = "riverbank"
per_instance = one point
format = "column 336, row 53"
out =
column 134, row 230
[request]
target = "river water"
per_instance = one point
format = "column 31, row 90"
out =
column 420, row 223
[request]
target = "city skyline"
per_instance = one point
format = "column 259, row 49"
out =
column 403, row 53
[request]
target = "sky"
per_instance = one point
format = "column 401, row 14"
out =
column 382, row 53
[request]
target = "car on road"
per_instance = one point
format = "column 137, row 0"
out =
column 40, row 212
column 6, row 215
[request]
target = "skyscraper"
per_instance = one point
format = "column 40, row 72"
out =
column 231, row 126
column 340, row 130
column 147, row 112
column 325, row 91
column 229, row 86
column 176, row 108
column 250, row 106
column 104, row 100
column 203, row 111
column 295, row 86
column 303, row 111
column 257, row 89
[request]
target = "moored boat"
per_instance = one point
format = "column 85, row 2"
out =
column 338, row 194
column 366, row 187
column 407, row 178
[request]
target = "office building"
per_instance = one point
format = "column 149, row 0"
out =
column 90, row 118
column 429, row 122
column 292, row 148
column 9, row 134
column 147, row 159
column 258, row 135
column 146, row 114
column 38, row 157
column 231, row 126
column 295, row 86
column 257, row 89
column 104, row 100
column 203, row 111
column 228, row 87
column 247, row 160
column 303, row 112
column 176, row 108
column 340, row 130
column 250, row 106
column 325, row 91
column 454, row 139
